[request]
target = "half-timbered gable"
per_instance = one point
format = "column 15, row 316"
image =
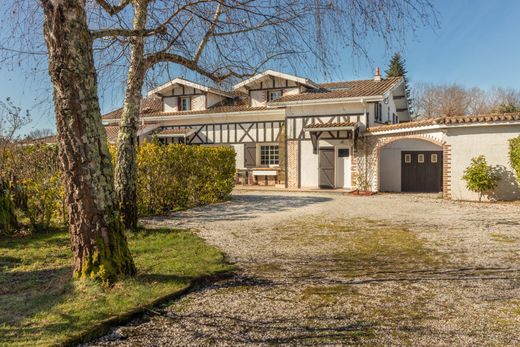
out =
column 271, row 85
column 181, row 95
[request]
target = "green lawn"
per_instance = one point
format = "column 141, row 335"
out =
column 41, row 305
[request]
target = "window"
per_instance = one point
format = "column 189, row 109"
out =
column 274, row 94
column 434, row 158
column 420, row 158
column 185, row 104
column 378, row 110
column 407, row 158
column 269, row 155
column 343, row 152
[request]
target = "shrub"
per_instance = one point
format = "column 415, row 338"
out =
column 8, row 220
column 514, row 155
column 34, row 183
column 480, row 177
column 172, row 177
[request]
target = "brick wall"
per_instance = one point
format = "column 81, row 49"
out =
column 292, row 164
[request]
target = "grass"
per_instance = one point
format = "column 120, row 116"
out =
column 41, row 305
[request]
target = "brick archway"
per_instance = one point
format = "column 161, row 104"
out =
column 385, row 140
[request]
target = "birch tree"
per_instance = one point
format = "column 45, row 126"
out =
column 98, row 242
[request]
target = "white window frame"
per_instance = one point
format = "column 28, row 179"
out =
column 270, row 163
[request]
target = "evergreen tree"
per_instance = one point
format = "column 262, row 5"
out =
column 397, row 67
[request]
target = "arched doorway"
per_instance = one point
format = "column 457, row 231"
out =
column 411, row 165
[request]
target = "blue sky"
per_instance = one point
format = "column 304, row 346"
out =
column 477, row 44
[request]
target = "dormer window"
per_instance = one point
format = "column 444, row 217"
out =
column 184, row 104
column 275, row 94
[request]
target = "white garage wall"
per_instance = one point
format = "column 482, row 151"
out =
column 490, row 141
column 390, row 162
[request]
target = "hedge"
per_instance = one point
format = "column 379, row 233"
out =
column 514, row 155
column 172, row 177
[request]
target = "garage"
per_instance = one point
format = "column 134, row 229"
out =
column 421, row 171
column 411, row 165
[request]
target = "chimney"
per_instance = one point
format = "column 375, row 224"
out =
column 377, row 77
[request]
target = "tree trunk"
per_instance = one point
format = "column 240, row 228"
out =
column 98, row 242
column 126, row 162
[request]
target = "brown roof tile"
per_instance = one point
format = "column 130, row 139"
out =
column 347, row 89
column 148, row 105
column 448, row 120
column 330, row 125
column 112, row 132
column 178, row 131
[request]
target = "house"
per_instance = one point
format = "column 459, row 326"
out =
column 294, row 132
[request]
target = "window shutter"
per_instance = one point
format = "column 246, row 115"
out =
column 250, row 155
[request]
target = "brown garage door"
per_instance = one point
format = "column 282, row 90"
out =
column 326, row 166
column 421, row 171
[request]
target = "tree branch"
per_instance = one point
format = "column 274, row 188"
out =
column 113, row 9
column 210, row 32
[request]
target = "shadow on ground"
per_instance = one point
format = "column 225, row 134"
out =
column 243, row 208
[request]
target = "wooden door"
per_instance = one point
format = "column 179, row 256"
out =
column 421, row 171
column 250, row 155
column 326, row 168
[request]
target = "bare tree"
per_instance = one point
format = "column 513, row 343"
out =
column 454, row 100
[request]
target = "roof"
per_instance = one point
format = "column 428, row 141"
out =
column 346, row 89
column 47, row 140
column 303, row 81
column 449, row 120
column 112, row 132
column 148, row 105
column 184, row 82
column 173, row 132
column 331, row 125
column 218, row 109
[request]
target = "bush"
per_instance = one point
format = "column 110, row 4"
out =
column 172, row 177
column 480, row 177
column 35, row 184
column 8, row 220
column 514, row 155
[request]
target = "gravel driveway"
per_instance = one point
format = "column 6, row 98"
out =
column 327, row 269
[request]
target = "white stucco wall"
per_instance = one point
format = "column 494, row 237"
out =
column 198, row 102
column 490, row 141
column 239, row 150
column 170, row 104
column 310, row 164
column 390, row 162
column 212, row 99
